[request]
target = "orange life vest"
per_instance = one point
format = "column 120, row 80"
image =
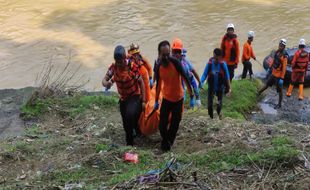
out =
column 302, row 61
column 126, row 82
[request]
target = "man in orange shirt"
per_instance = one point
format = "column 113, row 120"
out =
column 130, row 87
column 144, row 67
column 230, row 50
column 299, row 69
column 169, row 81
column 247, row 54
column 278, row 67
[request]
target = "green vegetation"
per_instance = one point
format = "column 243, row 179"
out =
column 29, row 111
column 243, row 99
column 72, row 106
column 219, row 159
column 79, row 104
column 240, row 103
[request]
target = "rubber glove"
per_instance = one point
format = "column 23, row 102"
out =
column 156, row 105
column 269, row 71
column 281, row 82
column 192, row 102
column 198, row 103
column 151, row 82
column 200, row 85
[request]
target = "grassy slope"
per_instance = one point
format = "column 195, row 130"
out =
column 79, row 139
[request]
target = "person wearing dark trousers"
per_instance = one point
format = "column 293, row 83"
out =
column 217, row 74
column 247, row 54
column 130, row 87
column 169, row 76
column 278, row 70
column 230, row 50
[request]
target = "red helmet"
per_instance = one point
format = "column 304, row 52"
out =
column 177, row 44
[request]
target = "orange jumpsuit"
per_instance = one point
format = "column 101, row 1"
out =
column 300, row 66
column 145, row 70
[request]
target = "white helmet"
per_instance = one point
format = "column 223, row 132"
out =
column 283, row 42
column 231, row 25
column 250, row 34
column 302, row 42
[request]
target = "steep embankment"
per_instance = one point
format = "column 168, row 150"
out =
column 10, row 102
column 78, row 142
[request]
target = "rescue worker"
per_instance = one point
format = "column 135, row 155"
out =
column 278, row 69
column 177, row 52
column 230, row 50
column 299, row 69
column 247, row 54
column 130, row 87
column 169, row 77
column 144, row 68
column 217, row 74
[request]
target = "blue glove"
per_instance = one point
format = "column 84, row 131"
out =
column 156, row 105
column 200, row 85
column 151, row 82
column 269, row 71
column 281, row 82
column 192, row 102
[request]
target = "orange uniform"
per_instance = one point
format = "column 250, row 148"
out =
column 230, row 49
column 248, row 52
column 300, row 66
column 278, row 65
column 171, row 82
column 146, row 72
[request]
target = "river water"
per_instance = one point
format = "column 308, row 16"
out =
column 33, row 33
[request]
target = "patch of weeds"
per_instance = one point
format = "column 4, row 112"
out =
column 76, row 175
column 101, row 147
column 33, row 130
column 56, row 144
column 282, row 140
column 281, row 152
column 25, row 147
column 34, row 110
column 79, row 104
column 242, row 101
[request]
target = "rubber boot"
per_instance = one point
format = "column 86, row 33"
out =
column 280, row 99
column 289, row 90
column 301, row 89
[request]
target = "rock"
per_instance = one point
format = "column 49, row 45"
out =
column 72, row 186
column 22, row 177
column 269, row 131
column 253, row 136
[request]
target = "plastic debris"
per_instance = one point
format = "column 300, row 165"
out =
column 131, row 157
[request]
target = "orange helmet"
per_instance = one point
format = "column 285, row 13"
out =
column 177, row 44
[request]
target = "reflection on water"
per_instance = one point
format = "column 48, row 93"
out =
column 33, row 31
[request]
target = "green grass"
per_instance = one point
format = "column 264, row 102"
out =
column 32, row 111
column 280, row 152
column 243, row 99
column 72, row 106
column 241, row 102
column 79, row 104
column 74, row 175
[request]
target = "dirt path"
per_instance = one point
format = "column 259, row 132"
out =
column 10, row 102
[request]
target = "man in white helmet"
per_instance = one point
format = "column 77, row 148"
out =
column 247, row 54
column 230, row 49
column 299, row 69
column 278, row 68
